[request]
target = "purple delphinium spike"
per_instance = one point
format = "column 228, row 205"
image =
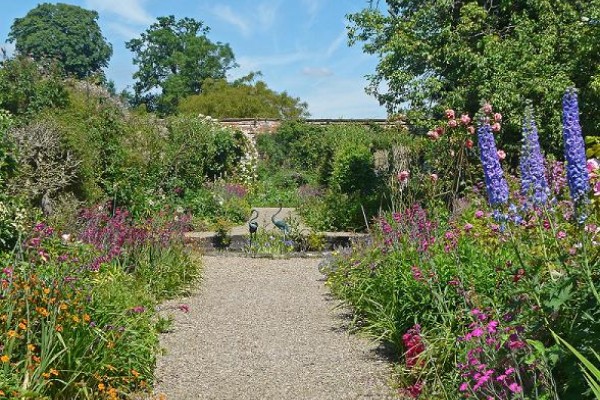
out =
column 577, row 174
column 533, row 173
column 496, row 185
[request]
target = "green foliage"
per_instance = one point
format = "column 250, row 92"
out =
column 65, row 33
column 28, row 87
column 176, row 57
column 353, row 170
column 242, row 99
column 438, row 54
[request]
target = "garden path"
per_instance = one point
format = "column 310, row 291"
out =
column 265, row 329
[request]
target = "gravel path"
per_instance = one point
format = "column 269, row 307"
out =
column 265, row 329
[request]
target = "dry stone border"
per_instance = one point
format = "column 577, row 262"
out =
column 265, row 329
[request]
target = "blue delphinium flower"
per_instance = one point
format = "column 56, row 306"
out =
column 496, row 185
column 533, row 173
column 577, row 174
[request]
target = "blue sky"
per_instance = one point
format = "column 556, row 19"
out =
column 300, row 46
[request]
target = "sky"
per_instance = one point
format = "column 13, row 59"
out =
column 300, row 46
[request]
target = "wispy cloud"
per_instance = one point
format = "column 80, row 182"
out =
column 132, row 11
column 317, row 71
column 337, row 42
column 226, row 14
column 123, row 30
column 252, row 62
column 8, row 49
column 312, row 7
column 259, row 17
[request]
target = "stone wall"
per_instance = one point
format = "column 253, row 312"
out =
column 252, row 126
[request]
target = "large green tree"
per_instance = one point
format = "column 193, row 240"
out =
column 174, row 58
column 67, row 34
column 445, row 53
column 243, row 98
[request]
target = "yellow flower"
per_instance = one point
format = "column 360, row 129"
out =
column 11, row 333
column 22, row 326
column 86, row 318
column 63, row 306
column 101, row 387
column 46, row 375
column 5, row 358
column 30, row 347
column 75, row 319
column 112, row 393
column 53, row 372
column 46, row 291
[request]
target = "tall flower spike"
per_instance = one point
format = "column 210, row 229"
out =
column 577, row 174
column 496, row 185
column 533, row 173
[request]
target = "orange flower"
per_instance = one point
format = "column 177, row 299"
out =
column 59, row 328
column 36, row 359
column 11, row 333
column 5, row 358
column 53, row 372
column 101, row 387
column 63, row 306
column 112, row 393
column 86, row 318
column 42, row 311
column 46, row 375
column 22, row 326
column 46, row 291
column 75, row 319
column 135, row 373
column 30, row 347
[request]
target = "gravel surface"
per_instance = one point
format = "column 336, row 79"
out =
column 265, row 329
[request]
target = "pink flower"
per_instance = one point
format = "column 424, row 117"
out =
column 471, row 129
column 403, row 176
column 492, row 326
column 561, row 235
column 515, row 387
column 463, row 387
column 592, row 165
column 496, row 127
column 465, row 119
column 509, row 371
column 468, row 227
column 452, row 123
column 433, row 177
column 501, row 154
column 478, row 214
column 477, row 332
column 487, row 108
column 469, row 144
column 449, row 113
column 433, row 135
column 497, row 117
column 184, row 308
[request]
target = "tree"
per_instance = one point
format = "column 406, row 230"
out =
column 243, row 98
column 65, row 33
column 441, row 53
column 175, row 57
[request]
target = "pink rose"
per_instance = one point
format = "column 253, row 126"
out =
column 496, row 127
column 469, row 144
column 433, row 135
column 434, row 177
column 449, row 113
column 452, row 123
column 592, row 165
column 465, row 119
column 501, row 154
column 403, row 176
column 471, row 129
column 497, row 117
column 487, row 108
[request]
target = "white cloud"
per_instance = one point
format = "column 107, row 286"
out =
column 226, row 14
column 316, row 71
column 250, row 63
column 266, row 13
column 125, row 31
column 337, row 42
column 342, row 98
column 129, row 10
column 312, row 7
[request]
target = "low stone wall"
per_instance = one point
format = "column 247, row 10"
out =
column 251, row 126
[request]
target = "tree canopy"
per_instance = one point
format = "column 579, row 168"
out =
column 243, row 99
column 442, row 53
column 67, row 34
column 174, row 59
